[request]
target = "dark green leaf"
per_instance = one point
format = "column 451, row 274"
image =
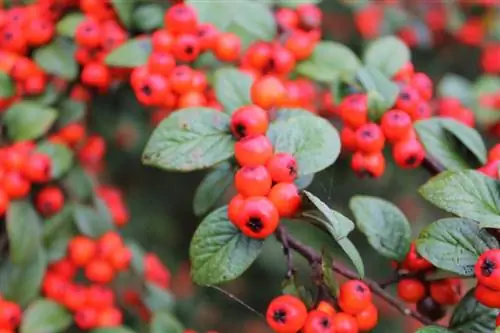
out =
column 451, row 143
column 50, row 95
column 471, row 316
column 219, row 251
column 388, row 54
column 69, row 23
column 313, row 141
column 138, row 254
column 328, row 276
column 90, row 222
column 163, row 322
column 452, row 85
column 148, row 17
column 433, row 329
column 386, row 227
column 454, row 244
column 24, row 232
column 124, row 9
column 118, row 329
column 7, row 88
column 212, row 188
column 133, row 53
column 232, row 88
column 70, row 111
column 157, row 299
column 252, row 21
column 61, row 221
column 28, row 120
column 468, row 194
column 78, row 184
column 382, row 92
column 61, row 157
column 190, row 139
column 57, row 58
column 44, row 316
column 330, row 61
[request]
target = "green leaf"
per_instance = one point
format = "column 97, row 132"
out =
column 252, row 21
column 382, row 92
column 133, row 53
column 232, row 88
column 24, row 232
column 69, row 23
column 452, row 85
column 471, row 316
column 57, row 58
column 78, row 184
column 433, row 329
column 218, row 13
column 70, row 111
column 28, row 120
column 117, row 329
column 7, row 88
column 212, row 188
column 304, row 181
column 61, row 221
column 353, row 254
column 61, row 157
column 389, row 54
column 45, row 316
column 313, row 141
column 288, row 113
column 138, row 253
column 328, row 276
column 329, row 61
column 484, row 86
column 219, row 252
column 49, row 96
column 295, row 3
column 148, row 17
column 386, row 227
column 190, row 139
column 165, row 322
column 453, row 144
column 468, row 194
column 454, row 244
column 157, row 299
column 124, row 9
column 90, row 222
column 21, row 282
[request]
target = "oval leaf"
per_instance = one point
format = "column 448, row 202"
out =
column 451, row 143
column 133, row 53
column 28, row 120
column 252, row 21
column 471, row 316
column 7, row 88
column 69, row 23
column 148, row 17
column 382, row 92
column 190, row 139
column 232, row 88
column 313, row 141
column 57, row 58
column 44, row 316
column 212, row 188
column 219, row 252
column 90, row 222
column 163, row 322
column 124, row 10
column 433, row 329
column 118, row 329
column 388, row 54
column 386, row 227
column 468, row 194
column 24, row 232
column 454, row 244
column 61, row 157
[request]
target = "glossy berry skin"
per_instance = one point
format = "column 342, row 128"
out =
column 81, row 250
column 487, row 296
column 253, row 181
column 423, row 84
column 253, row 151
column 282, row 167
column 267, row 92
column 318, row 322
column 187, row 48
column 286, row 198
column 86, row 318
column 408, row 99
column 37, row 168
column 447, row 291
column 369, row 138
column 326, row 307
column 354, row 110
column 345, row 323
column 99, row 271
column 181, row 19
column 15, row 185
column 371, row 165
column 249, row 120
column 354, row 297
column 10, row 315
column 395, row 125
column 258, row 218
column 50, row 200
column 368, row 318
column 408, row 154
column 487, row 269
column 227, row 47
column 234, row 208
column 414, row 262
column 348, row 139
column 286, row 314
column 411, row 290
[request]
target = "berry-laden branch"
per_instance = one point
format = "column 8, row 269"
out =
column 314, row 258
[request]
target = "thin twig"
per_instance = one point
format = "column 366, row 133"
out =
column 286, row 250
column 236, row 299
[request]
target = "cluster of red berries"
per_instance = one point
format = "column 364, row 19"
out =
column 265, row 181
column 10, row 316
column 367, row 138
column 430, row 296
column 487, row 272
column 113, row 199
column 288, row 314
column 94, row 305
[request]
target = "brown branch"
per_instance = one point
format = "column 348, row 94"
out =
column 314, row 259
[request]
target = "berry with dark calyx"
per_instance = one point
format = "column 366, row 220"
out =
column 368, row 318
column 354, row 297
column 282, row 167
column 258, row 218
column 395, row 125
column 286, row 198
column 487, row 269
column 253, row 151
column 371, row 165
column 318, row 322
column 249, row 120
column 431, row 309
column 408, row 100
column 253, row 181
column 345, row 323
column 286, row 314
column 411, row 290
column 408, row 154
column 187, row 48
column 447, row 291
column 50, row 200
column 369, row 138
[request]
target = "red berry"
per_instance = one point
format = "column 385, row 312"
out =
column 253, row 151
column 282, row 167
column 162, row 41
column 395, row 125
column 100, row 297
column 109, row 243
column 318, row 322
column 487, row 297
column 447, row 291
column 494, row 153
column 354, row 297
column 259, row 54
column 207, row 33
column 64, row 268
column 227, row 47
column 411, row 290
column 81, row 250
column 345, row 323
column 258, row 217
column 110, row 317
column 181, row 19
column 15, row 185
column 267, row 92
column 88, row 33
column 423, row 84
column 54, row 287
column 286, row 314
column 37, row 168
column 187, row 48
column 326, row 307
column 487, row 269
column 348, row 138
column 414, row 262
column 368, row 318
column 286, row 198
column 408, row 154
column 354, row 110
column 96, row 75
column 10, row 315
column 86, row 318
column 120, row 259
column 4, row 202
column 300, row 44
column 99, row 271
column 369, row 138
column 371, row 165
column 75, row 297
column 253, row 181
column 408, row 99
column 49, row 200
column 234, row 208
column 249, row 120
column 161, row 63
